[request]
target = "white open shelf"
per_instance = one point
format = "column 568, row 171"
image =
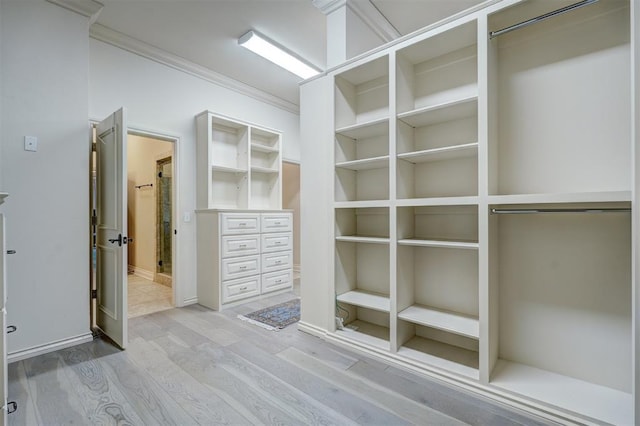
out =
column 445, row 111
column 365, row 130
column 264, row 148
column 265, row 170
column 599, row 402
column 558, row 198
column 416, row 242
column 365, row 163
column 367, row 333
column 365, row 299
column 437, row 354
column 443, row 320
column 227, row 169
column 362, row 239
column 439, row 154
column 438, row 201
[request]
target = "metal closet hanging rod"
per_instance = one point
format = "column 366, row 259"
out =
column 493, row 34
column 560, row 210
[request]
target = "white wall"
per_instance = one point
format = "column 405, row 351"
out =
column 165, row 100
column 45, row 77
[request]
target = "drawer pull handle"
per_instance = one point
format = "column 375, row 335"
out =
column 278, row 243
column 243, row 267
column 242, row 245
column 11, row 329
column 277, row 223
column 242, row 224
column 11, row 252
column 278, row 262
column 244, row 287
column 278, row 281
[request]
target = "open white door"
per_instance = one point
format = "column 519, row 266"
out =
column 111, row 227
column 3, row 325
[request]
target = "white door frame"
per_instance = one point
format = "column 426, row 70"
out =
column 178, row 300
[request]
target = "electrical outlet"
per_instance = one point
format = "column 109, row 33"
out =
column 30, row 143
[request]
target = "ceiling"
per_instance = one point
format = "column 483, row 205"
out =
column 205, row 32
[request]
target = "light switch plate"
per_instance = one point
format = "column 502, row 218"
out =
column 30, row 143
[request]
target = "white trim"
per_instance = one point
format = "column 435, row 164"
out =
column 130, row 44
column 328, row 6
column 89, row 8
column 296, row 268
column 49, row 347
column 374, row 19
column 189, row 301
column 312, row 329
column 142, row 273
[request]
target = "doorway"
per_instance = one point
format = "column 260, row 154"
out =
column 150, row 186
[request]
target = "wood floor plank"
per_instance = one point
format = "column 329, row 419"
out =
column 54, row 398
column 190, row 319
column 151, row 403
column 288, row 397
column 403, row 407
column 18, row 391
column 204, row 405
column 188, row 335
column 348, row 404
column 102, row 402
column 249, row 401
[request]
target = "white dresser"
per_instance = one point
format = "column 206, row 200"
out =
column 243, row 255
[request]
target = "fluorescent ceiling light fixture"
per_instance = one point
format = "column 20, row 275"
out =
column 268, row 49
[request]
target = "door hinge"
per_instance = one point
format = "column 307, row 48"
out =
column 94, row 147
column 94, row 294
column 159, row 174
column 159, row 262
column 94, row 218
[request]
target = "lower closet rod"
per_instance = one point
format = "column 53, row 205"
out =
column 530, row 211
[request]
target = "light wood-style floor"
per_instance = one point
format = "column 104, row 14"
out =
column 193, row 366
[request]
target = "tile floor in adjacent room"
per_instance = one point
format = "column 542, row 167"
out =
column 146, row 296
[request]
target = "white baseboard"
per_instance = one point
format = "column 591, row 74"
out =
column 312, row 329
column 49, row 347
column 189, row 301
column 142, row 273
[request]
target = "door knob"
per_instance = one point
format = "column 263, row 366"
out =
column 118, row 240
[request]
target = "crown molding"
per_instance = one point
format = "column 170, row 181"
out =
column 374, row 19
column 130, row 44
column 367, row 12
column 89, row 8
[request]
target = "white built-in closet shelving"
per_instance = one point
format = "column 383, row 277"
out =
column 463, row 165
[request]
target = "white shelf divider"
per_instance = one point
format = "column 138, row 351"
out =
column 366, row 299
column 438, row 201
column 439, row 154
column 264, row 170
column 448, row 321
column 365, row 163
column 361, row 204
column 363, row 239
column 365, row 130
column 573, row 197
column 466, row 245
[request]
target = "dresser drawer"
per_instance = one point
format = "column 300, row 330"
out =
column 239, row 289
column 277, row 222
column 237, row 267
column 277, row 261
column 240, row 245
column 277, row 242
column 239, row 223
column 277, row 280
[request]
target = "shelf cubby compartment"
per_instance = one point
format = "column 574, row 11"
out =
column 363, row 225
column 363, row 146
column 561, row 115
column 265, row 151
column 362, row 180
column 264, row 140
column 229, row 188
column 438, row 71
column 437, row 286
column 437, row 151
column 229, row 145
column 563, row 285
column 265, row 188
column 362, row 276
column 362, row 93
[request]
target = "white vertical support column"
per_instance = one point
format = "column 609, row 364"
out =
column 316, row 206
column 337, row 35
column 484, row 293
column 635, row 221
column 393, row 213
